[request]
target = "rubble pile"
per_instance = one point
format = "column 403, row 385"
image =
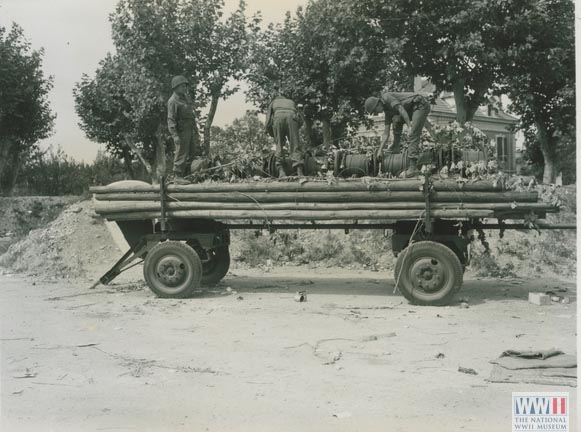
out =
column 74, row 245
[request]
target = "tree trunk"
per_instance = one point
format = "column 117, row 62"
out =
column 127, row 161
column 465, row 110
column 139, row 153
column 327, row 134
column 15, row 170
column 6, row 145
column 549, row 151
column 11, row 171
column 210, row 120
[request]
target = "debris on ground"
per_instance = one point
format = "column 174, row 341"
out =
column 539, row 299
column 71, row 246
column 26, row 374
column 548, row 367
column 301, row 296
column 468, row 371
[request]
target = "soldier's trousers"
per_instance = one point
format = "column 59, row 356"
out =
column 286, row 125
column 183, row 152
column 421, row 109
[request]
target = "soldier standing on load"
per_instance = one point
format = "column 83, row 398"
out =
column 399, row 108
column 282, row 122
column 180, row 122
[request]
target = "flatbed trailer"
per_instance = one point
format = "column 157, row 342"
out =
column 182, row 233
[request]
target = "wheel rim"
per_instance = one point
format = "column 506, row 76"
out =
column 171, row 270
column 428, row 275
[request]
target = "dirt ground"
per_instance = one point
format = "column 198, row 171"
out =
column 246, row 357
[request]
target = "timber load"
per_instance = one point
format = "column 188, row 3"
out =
column 311, row 199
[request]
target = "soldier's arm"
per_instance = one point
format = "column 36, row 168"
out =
column 172, row 115
column 404, row 115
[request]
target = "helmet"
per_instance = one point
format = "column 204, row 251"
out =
column 371, row 104
column 177, row 80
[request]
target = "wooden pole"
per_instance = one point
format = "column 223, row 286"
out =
column 338, row 197
column 141, row 206
column 341, row 185
column 302, row 215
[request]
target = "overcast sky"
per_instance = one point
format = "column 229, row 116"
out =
column 76, row 35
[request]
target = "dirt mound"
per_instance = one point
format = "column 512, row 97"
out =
column 74, row 245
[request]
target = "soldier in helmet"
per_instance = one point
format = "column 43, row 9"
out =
column 180, row 122
column 282, row 122
column 411, row 108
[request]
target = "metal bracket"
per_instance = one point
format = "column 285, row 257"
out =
column 135, row 252
column 427, row 190
column 162, row 199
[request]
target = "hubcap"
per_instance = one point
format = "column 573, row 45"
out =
column 427, row 274
column 171, row 270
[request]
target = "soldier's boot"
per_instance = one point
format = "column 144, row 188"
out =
column 412, row 170
column 281, row 172
column 300, row 171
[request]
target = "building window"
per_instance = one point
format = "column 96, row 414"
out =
column 502, row 150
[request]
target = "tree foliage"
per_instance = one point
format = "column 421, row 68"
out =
column 456, row 44
column 25, row 114
column 156, row 40
column 326, row 58
column 539, row 78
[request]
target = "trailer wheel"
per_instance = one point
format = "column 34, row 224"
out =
column 428, row 273
column 172, row 270
column 217, row 265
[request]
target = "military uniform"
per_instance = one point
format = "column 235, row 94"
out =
column 417, row 108
column 282, row 122
column 180, row 122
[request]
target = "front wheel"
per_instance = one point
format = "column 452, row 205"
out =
column 172, row 270
column 428, row 273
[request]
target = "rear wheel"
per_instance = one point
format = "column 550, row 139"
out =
column 216, row 266
column 172, row 270
column 428, row 273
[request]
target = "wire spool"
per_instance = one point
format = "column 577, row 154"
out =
column 357, row 166
column 269, row 166
column 395, row 163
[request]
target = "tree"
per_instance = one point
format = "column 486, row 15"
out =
column 156, row 40
column 242, row 145
column 105, row 112
column 326, row 58
column 539, row 78
column 454, row 43
column 25, row 114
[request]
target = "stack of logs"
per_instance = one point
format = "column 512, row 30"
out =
column 349, row 199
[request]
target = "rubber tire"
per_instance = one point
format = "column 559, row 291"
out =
column 217, row 267
column 454, row 273
column 192, row 266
